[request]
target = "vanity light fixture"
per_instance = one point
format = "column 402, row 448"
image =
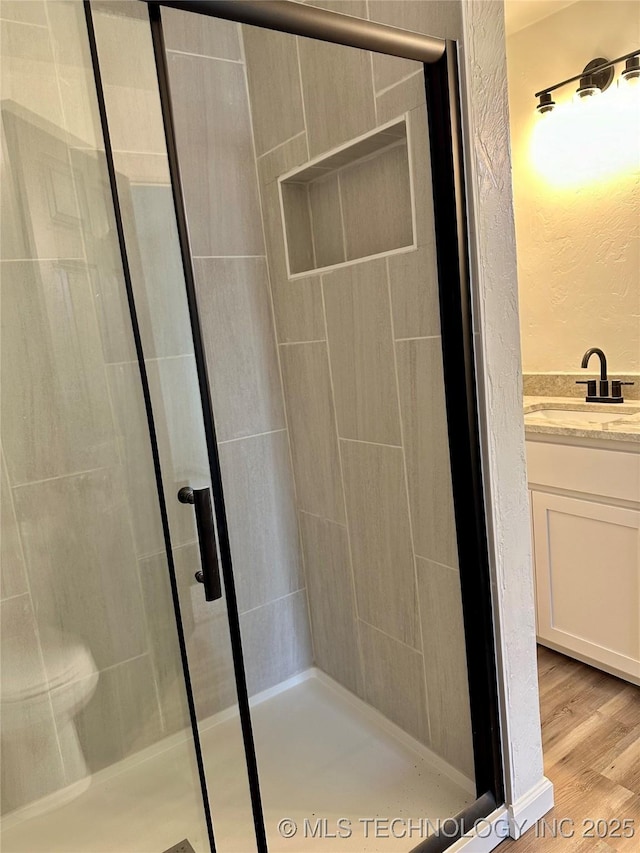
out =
column 631, row 73
column 546, row 103
column 594, row 78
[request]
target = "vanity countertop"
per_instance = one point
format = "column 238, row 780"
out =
column 625, row 426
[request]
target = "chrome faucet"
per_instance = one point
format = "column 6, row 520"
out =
column 603, row 396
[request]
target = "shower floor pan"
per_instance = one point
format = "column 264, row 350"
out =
column 323, row 756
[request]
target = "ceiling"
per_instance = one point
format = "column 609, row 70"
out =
column 519, row 14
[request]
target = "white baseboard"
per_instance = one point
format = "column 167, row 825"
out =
column 486, row 834
column 527, row 811
column 507, row 822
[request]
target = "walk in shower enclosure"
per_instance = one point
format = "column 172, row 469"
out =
column 245, row 594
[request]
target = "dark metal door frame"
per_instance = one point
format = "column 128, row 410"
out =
column 440, row 64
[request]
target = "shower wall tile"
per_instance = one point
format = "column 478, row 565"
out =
column 237, row 325
column 13, row 580
column 26, row 64
column 314, row 445
column 132, row 431
column 68, row 31
column 175, row 396
column 211, row 661
column 158, row 278
column 297, row 304
column 356, row 8
column 163, row 636
column 263, row 529
column 200, row 34
column 295, row 200
column 367, row 223
column 282, row 159
column 361, row 350
column 422, row 181
column 324, row 202
column 206, row 634
column 276, row 641
column 403, row 97
column 130, row 81
column 337, row 91
column 38, row 197
column 440, row 18
column 415, row 304
column 122, row 717
column 394, row 681
column 151, row 169
column 420, row 375
column 19, row 641
column 274, row 86
column 445, row 664
column 378, row 521
column 83, row 576
column 104, row 261
column 26, row 13
column 213, row 131
column 56, row 419
column 331, row 601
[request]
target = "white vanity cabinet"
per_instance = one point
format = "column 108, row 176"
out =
column 585, row 510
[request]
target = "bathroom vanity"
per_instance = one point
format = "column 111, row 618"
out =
column 583, row 465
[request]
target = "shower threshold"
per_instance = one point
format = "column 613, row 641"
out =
column 330, row 766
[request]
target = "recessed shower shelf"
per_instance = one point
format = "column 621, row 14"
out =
column 353, row 203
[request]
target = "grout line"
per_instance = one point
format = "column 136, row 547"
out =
column 304, row 108
column 274, row 328
column 254, row 435
column 273, row 601
column 17, row 595
column 225, row 257
column 323, row 518
column 344, row 495
column 205, row 56
column 155, row 359
column 372, row 443
column 42, row 260
column 373, row 77
column 313, row 238
column 436, row 563
column 416, row 588
column 65, row 476
column 24, row 23
column 419, row 338
column 299, row 343
column 391, row 637
column 386, row 89
column 344, row 230
column 280, row 144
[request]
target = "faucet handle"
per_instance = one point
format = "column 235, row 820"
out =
column 616, row 387
column 591, row 386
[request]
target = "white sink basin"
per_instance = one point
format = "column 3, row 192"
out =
column 567, row 416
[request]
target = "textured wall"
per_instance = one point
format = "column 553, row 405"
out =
column 498, row 349
column 361, row 357
column 577, row 224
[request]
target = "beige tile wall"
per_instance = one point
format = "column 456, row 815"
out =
column 361, row 357
column 215, row 139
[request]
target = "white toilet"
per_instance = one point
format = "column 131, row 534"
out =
column 29, row 697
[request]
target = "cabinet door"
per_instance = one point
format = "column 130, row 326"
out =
column 587, row 558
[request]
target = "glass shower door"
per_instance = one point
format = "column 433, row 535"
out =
column 104, row 723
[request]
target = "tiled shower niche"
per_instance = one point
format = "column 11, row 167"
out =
column 336, row 208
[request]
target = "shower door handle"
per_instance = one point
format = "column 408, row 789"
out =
column 210, row 574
